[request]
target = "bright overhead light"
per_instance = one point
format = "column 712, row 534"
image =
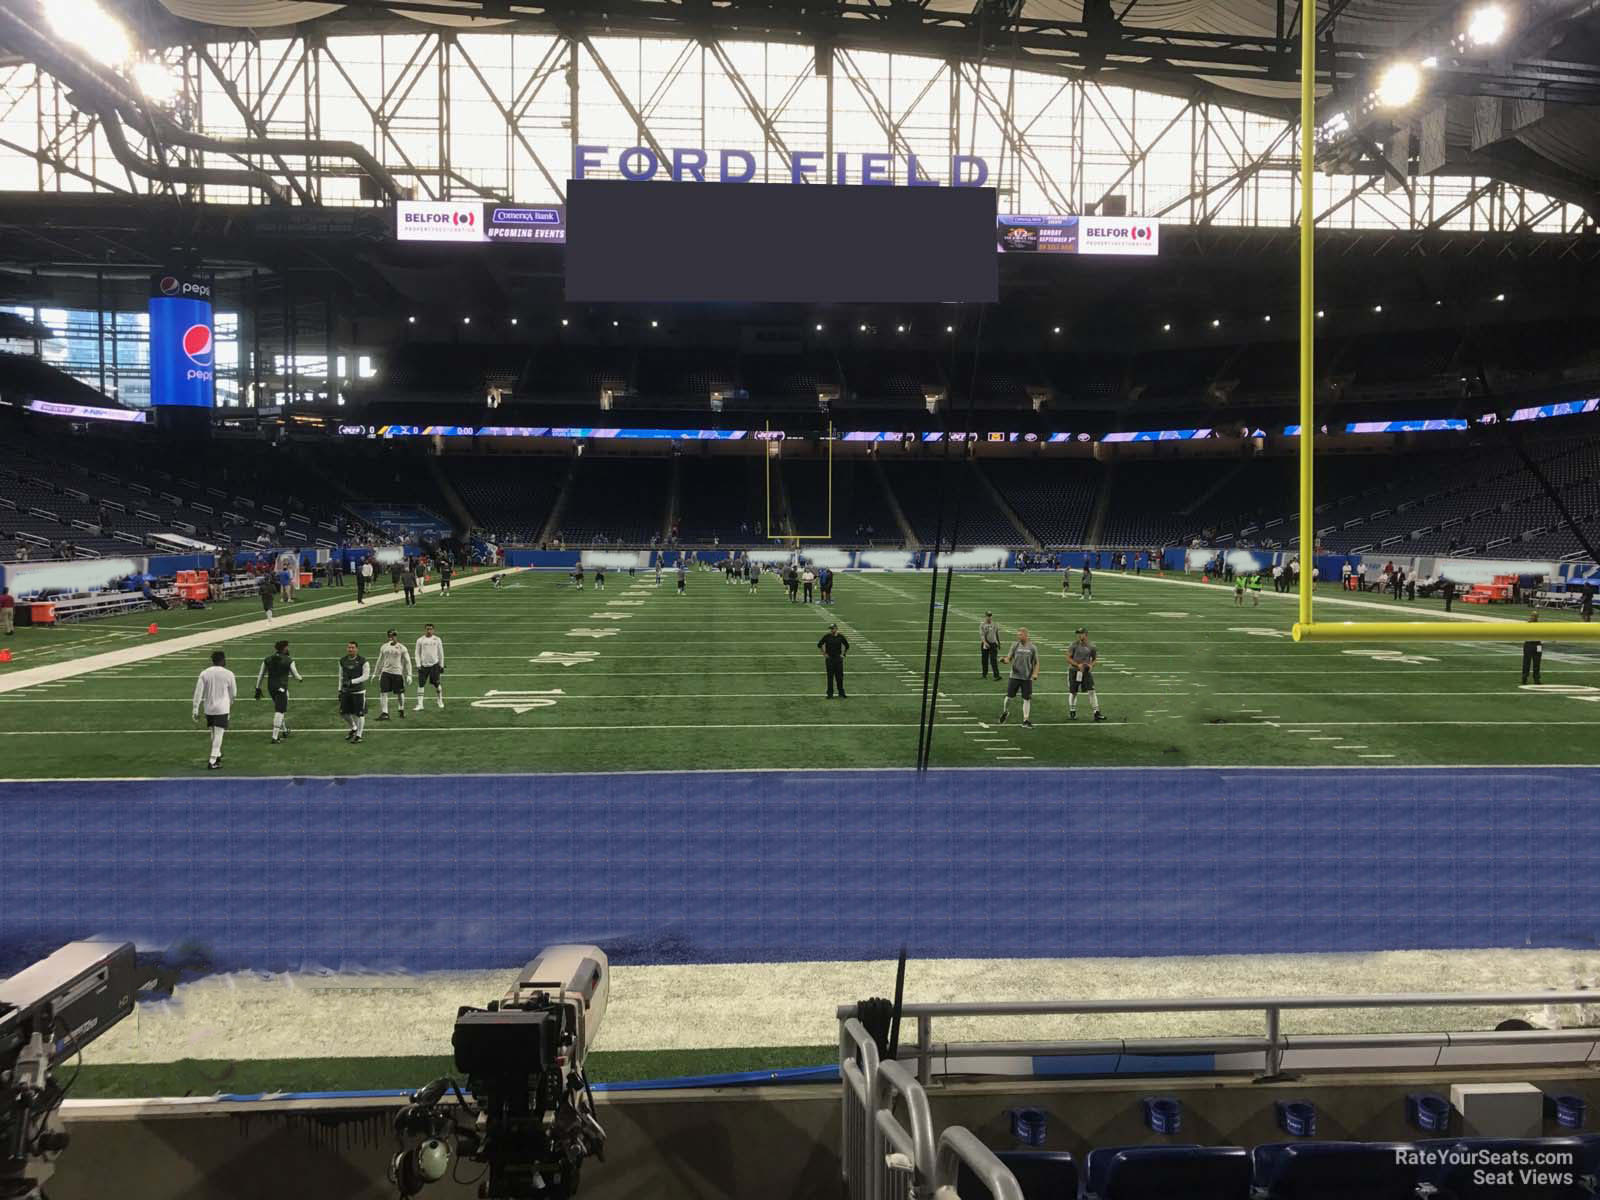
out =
column 1216, row 322
column 613, row 324
column 87, row 26
column 654, row 323
column 1057, row 329
column 862, row 328
column 819, row 327
column 1167, row 328
column 949, row 328
column 513, row 320
column 1320, row 313
column 411, row 320
column 466, row 320
column 1486, row 25
column 1430, row 62
column 1399, row 84
column 157, row 82
column 899, row 328
column 564, row 322
column 1377, row 308
column 1268, row 317
column 1500, row 297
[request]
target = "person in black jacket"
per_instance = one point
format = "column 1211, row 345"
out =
column 1532, row 653
column 834, row 646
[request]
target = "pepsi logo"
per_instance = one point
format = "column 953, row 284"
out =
column 168, row 286
column 197, row 344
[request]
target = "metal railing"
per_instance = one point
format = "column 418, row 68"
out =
column 1272, row 1045
column 887, row 1156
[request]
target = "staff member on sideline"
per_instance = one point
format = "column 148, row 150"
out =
column 1532, row 653
column 990, row 633
column 8, row 612
column 834, row 646
column 215, row 691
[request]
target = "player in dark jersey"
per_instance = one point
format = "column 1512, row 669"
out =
column 267, row 589
column 446, row 569
column 599, row 577
column 353, row 676
column 1087, row 586
column 276, row 670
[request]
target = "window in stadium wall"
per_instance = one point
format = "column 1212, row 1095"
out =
column 1080, row 139
column 116, row 351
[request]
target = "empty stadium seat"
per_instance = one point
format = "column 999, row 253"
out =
column 1164, row 1172
column 1042, row 1175
column 1334, row 1171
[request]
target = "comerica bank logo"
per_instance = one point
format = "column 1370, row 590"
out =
column 526, row 216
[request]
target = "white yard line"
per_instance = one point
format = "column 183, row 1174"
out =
column 33, row 676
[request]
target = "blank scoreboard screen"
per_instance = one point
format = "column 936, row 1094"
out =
column 806, row 242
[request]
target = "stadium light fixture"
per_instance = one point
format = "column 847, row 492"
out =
column 949, row 328
column 1216, row 322
column 1500, row 298
column 654, row 323
column 1057, row 329
column 157, row 82
column 899, row 328
column 1267, row 318
column 1320, row 314
column 1377, row 308
column 513, row 320
column 88, row 27
column 819, row 326
column 1430, row 62
column 613, row 324
column 466, row 320
column 1167, row 328
column 1399, row 84
column 565, row 322
column 411, row 320
column 1486, row 25
column 862, row 328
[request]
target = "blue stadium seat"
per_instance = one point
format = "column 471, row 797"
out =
column 1334, row 1171
column 1042, row 1175
column 1464, row 1178
column 1165, row 1172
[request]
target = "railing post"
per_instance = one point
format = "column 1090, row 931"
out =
column 924, row 1050
column 1274, row 1042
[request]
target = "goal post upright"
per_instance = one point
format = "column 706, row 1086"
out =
column 772, row 535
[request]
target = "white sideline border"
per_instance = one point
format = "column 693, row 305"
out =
column 73, row 668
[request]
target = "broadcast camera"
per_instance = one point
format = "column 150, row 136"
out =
column 49, row 1012
column 531, row 1109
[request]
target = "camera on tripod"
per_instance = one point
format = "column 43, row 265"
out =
column 531, row 1108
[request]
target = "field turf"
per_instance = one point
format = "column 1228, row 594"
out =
column 541, row 677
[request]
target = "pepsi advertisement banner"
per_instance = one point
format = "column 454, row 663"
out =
column 182, row 345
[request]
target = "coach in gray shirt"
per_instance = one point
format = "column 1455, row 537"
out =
column 990, row 633
column 1024, row 660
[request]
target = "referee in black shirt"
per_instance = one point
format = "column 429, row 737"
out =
column 834, row 646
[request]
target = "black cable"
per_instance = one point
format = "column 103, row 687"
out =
column 1514, row 436
column 931, row 690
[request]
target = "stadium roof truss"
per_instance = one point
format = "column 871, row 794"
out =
column 1183, row 109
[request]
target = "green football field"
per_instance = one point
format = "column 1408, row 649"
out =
column 541, row 677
